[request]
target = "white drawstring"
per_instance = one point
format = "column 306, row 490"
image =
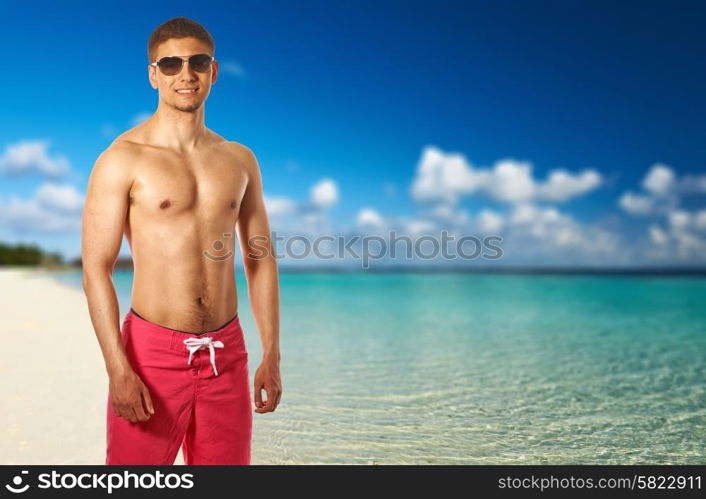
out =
column 194, row 344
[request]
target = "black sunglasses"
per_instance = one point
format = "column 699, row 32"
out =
column 172, row 65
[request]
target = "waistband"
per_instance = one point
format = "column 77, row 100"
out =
column 149, row 336
column 218, row 329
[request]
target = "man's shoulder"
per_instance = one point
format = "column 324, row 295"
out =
column 116, row 160
column 132, row 144
column 242, row 153
column 122, row 147
column 235, row 147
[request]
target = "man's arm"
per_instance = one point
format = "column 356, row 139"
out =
column 263, row 282
column 103, row 222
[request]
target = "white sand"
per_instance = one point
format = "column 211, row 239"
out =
column 54, row 385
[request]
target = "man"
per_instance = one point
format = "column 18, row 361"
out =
column 178, row 367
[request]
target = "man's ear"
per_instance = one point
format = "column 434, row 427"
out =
column 152, row 76
column 214, row 72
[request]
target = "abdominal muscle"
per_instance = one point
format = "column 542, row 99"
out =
column 175, row 284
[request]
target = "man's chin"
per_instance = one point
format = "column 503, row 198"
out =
column 189, row 109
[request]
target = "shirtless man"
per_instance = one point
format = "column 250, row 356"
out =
column 178, row 366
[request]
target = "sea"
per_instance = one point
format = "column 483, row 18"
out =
column 466, row 368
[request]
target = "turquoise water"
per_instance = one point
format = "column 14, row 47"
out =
column 483, row 369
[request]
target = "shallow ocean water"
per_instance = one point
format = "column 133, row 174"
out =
column 482, row 369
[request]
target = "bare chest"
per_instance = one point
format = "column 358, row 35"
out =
column 210, row 187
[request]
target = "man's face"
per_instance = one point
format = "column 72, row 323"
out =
column 186, row 79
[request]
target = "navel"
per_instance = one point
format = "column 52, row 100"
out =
column 233, row 204
column 165, row 204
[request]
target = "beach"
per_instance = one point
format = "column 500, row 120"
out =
column 54, row 388
column 54, row 379
column 403, row 369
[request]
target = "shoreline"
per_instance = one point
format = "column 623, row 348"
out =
column 541, row 271
column 56, row 387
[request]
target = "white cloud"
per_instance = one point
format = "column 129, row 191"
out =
column 657, row 235
column 683, row 220
column 51, row 209
column 61, row 197
column 679, row 219
column 681, row 238
column 446, row 177
column 562, row 185
column 547, row 229
column 637, row 204
column 510, row 181
column 287, row 214
column 324, row 193
column 32, row 156
column 314, row 223
column 490, row 221
column 660, row 180
column 528, row 231
column 368, row 217
column 443, row 177
column 663, row 190
column 420, row 227
column 448, row 214
column 538, row 221
column 688, row 244
column 280, row 206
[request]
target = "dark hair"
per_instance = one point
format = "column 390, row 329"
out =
column 178, row 27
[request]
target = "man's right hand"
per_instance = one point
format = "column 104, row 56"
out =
column 127, row 392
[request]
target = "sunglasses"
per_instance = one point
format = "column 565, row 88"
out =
column 170, row 66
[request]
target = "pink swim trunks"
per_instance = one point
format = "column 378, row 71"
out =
column 200, row 390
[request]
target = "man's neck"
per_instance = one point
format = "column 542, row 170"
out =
column 178, row 130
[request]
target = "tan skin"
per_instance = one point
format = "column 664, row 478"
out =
column 176, row 190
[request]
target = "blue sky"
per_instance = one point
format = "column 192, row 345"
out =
column 412, row 115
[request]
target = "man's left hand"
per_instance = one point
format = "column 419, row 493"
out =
column 267, row 377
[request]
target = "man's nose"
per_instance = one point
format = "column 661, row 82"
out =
column 187, row 72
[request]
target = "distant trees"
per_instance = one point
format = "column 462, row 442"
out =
column 28, row 254
column 33, row 255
